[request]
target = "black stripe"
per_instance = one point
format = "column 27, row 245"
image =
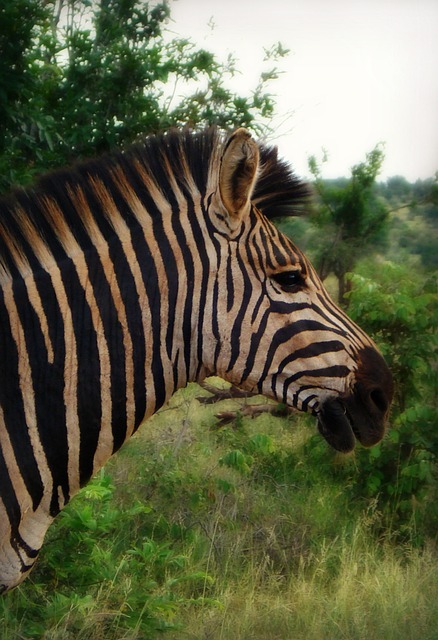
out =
column 150, row 279
column 287, row 308
column 236, row 330
column 47, row 381
column 267, row 246
column 172, row 277
column 254, row 346
column 11, row 401
column 230, row 281
column 129, row 296
column 215, row 322
column 256, row 275
column 334, row 371
column 55, row 371
column 204, row 263
column 310, row 351
column 189, row 268
column 287, row 333
column 88, row 365
column 290, row 249
column 305, row 403
column 9, row 498
column 354, row 331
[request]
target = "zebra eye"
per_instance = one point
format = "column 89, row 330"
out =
column 288, row 280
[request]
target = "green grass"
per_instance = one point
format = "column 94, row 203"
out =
column 244, row 532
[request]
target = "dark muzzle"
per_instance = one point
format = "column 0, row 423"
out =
column 361, row 415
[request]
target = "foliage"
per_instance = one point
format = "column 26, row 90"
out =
column 414, row 216
column 80, row 78
column 410, row 235
column 398, row 191
column 400, row 308
column 95, row 561
column 351, row 219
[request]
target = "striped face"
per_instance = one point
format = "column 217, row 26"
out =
column 277, row 330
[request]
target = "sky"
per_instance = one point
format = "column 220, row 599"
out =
column 359, row 72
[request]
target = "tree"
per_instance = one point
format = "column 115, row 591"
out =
column 350, row 217
column 80, row 77
column 397, row 188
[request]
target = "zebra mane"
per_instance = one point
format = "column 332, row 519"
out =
column 37, row 224
column 278, row 191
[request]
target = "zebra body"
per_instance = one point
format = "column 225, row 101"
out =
column 126, row 278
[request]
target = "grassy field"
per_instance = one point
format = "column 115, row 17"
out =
column 245, row 532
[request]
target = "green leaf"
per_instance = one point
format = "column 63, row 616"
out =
column 237, row 460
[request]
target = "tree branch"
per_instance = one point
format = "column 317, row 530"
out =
column 222, row 394
column 248, row 410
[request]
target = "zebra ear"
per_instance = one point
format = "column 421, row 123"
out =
column 238, row 175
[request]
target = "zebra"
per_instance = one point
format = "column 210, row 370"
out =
column 124, row 278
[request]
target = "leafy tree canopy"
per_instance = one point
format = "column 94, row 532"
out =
column 78, row 78
column 350, row 216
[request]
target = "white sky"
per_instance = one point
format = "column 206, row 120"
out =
column 359, row 72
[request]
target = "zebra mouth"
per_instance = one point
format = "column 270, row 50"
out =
column 335, row 425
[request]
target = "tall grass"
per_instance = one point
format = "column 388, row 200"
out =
column 350, row 589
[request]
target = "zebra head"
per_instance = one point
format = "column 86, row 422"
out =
column 129, row 276
column 274, row 329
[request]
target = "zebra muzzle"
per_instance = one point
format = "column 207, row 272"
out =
column 343, row 421
column 335, row 426
column 361, row 415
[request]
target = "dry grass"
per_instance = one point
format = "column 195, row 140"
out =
column 349, row 590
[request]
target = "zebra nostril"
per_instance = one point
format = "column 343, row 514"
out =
column 378, row 399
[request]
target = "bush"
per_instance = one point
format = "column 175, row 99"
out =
column 399, row 307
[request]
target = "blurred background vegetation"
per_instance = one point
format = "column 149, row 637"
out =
column 249, row 528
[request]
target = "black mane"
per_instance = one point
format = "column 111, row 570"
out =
column 278, row 191
column 184, row 156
